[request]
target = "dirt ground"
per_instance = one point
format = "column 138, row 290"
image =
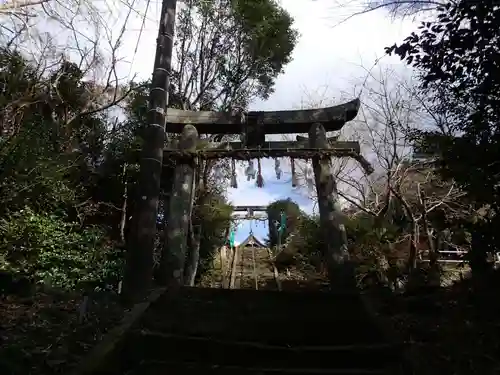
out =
column 42, row 334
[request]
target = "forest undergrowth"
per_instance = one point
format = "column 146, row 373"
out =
column 48, row 333
column 450, row 330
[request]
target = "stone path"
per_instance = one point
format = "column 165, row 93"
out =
column 254, row 269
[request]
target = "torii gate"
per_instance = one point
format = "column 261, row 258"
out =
column 178, row 174
column 252, row 213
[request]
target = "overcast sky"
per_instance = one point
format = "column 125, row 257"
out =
column 327, row 60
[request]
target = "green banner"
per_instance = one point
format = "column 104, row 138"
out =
column 282, row 222
column 231, row 237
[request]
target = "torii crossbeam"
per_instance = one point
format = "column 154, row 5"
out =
column 250, row 212
column 274, row 122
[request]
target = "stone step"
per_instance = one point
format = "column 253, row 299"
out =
column 156, row 347
column 248, row 332
column 246, row 273
column 192, row 368
column 281, row 318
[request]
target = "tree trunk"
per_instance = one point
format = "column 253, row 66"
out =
column 167, row 182
column 340, row 268
column 223, row 269
column 193, row 256
column 139, row 263
column 434, row 275
column 225, row 260
column 234, row 265
column 181, row 204
column 383, row 267
column 195, row 228
column 412, row 258
column 477, row 257
column 411, row 265
column 123, row 217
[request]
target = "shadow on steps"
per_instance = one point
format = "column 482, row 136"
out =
column 223, row 331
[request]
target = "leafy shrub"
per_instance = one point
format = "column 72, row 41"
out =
column 50, row 250
column 214, row 216
column 293, row 213
column 370, row 246
column 303, row 244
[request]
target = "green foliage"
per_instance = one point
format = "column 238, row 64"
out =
column 242, row 46
column 367, row 230
column 456, row 55
column 69, row 169
column 269, row 38
column 368, row 240
column 30, row 172
column 214, row 216
column 303, row 244
column 61, row 176
column 49, row 249
column 370, row 237
column 293, row 213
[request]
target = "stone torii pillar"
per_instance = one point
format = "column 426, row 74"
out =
column 173, row 256
column 340, row 268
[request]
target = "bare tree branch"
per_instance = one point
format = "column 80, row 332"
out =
column 395, row 8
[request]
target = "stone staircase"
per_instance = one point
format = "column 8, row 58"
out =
column 254, row 269
column 222, row 331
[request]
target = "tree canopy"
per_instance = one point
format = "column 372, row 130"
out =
column 230, row 51
column 457, row 57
